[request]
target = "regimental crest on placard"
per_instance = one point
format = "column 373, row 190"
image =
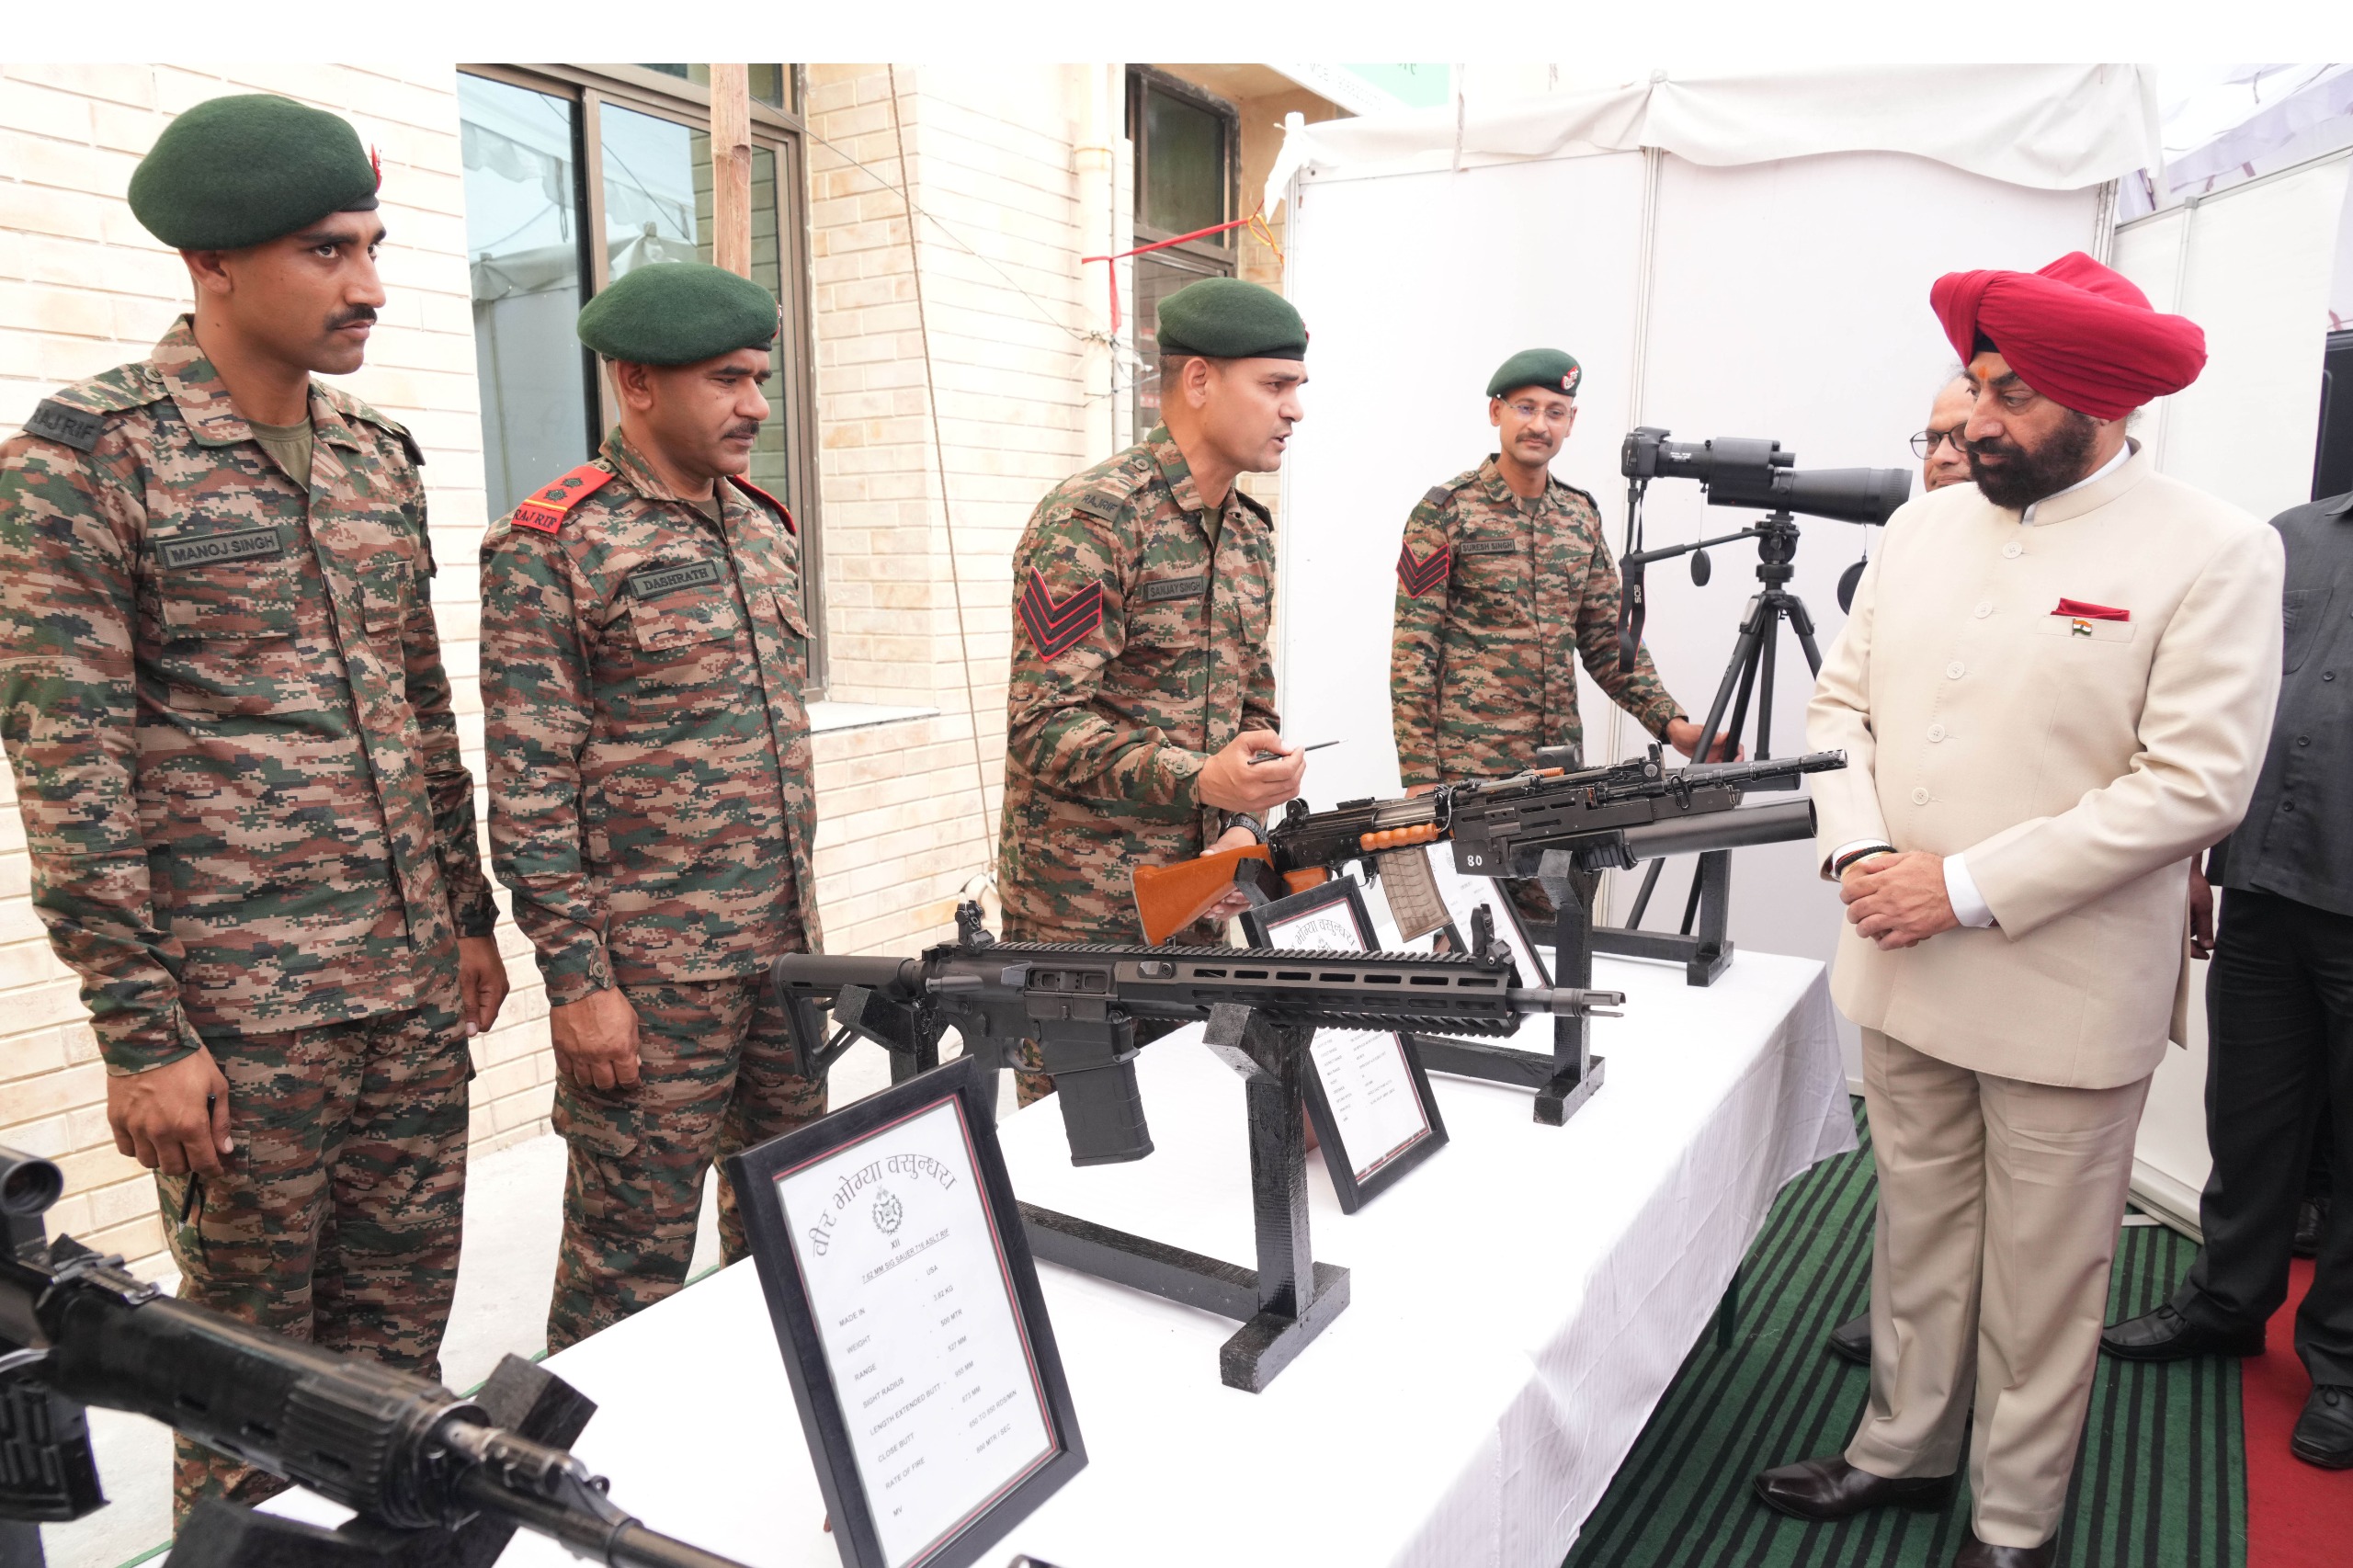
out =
column 1420, row 574
column 889, row 1212
column 1058, row 625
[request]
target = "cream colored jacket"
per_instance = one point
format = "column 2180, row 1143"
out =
column 2078, row 762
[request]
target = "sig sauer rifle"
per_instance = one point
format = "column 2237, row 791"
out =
column 1081, row 1002
column 435, row 1480
column 1605, row 817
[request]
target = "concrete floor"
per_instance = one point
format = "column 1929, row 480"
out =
column 513, row 1224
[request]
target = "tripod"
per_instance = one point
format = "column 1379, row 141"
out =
column 1749, row 674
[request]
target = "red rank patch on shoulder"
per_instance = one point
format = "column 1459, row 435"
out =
column 543, row 510
column 1058, row 625
column 1419, row 574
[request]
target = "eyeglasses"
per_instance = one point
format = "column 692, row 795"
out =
column 1557, row 415
column 1925, row 443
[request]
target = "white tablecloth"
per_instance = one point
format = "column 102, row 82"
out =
column 1518, row 1304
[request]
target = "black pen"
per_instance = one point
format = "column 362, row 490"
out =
column 1260, row 756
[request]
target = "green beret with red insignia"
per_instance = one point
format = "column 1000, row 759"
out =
column 1546, row 368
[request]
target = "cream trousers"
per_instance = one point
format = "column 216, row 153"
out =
column 1998, row 1207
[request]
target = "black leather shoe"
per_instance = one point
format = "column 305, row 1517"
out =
column 2323, row 1433
column 1851, row 1340
column 2166, row 1335
column 2311, row 1218
column 1833, row 1489
column 1975, row 1553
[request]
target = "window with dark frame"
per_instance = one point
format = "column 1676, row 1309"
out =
column 573, row 177
column 1187, row 174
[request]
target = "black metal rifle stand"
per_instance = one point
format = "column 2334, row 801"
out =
column 527, row 1399
column 1290, row 1297
column 1567, row 1077
column 1576, row 1071
column 1707, row 953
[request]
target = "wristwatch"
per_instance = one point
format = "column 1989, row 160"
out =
column 1244, row 819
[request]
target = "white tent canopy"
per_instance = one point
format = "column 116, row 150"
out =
column 2045, row 127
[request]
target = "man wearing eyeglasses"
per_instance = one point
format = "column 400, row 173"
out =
column 1942, row 448
column 1502, row 585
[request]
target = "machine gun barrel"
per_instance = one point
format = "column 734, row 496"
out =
column 404, row 1453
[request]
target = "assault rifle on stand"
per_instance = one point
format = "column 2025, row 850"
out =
column 1563, row 827
column 1082, row 1004
column 435, row 1480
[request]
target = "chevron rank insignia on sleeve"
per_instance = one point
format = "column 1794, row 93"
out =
column 1058, row 625
column 1420, row 574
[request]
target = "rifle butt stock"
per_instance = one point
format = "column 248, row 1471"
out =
column 1169, row 898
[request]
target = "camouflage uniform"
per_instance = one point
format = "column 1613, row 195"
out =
column 651, row 813
column 1139, row 651
column 1496, row 599
column 224, row 701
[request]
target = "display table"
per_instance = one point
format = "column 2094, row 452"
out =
column 1517, row 1306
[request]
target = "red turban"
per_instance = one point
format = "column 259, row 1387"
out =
column 2077, row 333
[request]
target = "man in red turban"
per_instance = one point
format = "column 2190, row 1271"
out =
column 2053, row 691
column 2076, row 335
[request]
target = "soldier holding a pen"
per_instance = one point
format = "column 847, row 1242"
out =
column 1140, row 725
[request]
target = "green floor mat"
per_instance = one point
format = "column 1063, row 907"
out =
column 2160, row 1481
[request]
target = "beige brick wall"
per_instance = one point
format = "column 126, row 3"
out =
column 907, row 824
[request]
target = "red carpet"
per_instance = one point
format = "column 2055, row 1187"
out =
column 2296, row 1516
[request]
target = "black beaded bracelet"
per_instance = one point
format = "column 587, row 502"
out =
column 1838, row 867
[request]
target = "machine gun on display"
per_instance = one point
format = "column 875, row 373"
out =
column 1607, row 817
column 1081, row 1002
column 1560, row 826
column 435, row 1480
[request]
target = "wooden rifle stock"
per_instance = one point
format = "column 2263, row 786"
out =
column 1169, row 898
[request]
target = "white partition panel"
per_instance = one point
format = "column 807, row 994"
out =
column 1415, row 289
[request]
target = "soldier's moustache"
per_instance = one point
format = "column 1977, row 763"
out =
column 743, row 430
column 351, row 315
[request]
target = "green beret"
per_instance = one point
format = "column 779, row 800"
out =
column 677, row 313
column 243, row 170
column 1225, row 318
column 1546, row 368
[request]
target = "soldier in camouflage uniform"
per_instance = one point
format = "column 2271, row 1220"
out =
column 1503, row 584
column 1143, row 687
column 224, row 701
column 642, row 655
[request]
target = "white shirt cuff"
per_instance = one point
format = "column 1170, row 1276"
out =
column 1961, row 890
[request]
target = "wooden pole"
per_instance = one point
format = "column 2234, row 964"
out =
column 731, row 168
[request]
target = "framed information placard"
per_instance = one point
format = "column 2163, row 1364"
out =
column 1366, row 1093
column 907, row 1304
